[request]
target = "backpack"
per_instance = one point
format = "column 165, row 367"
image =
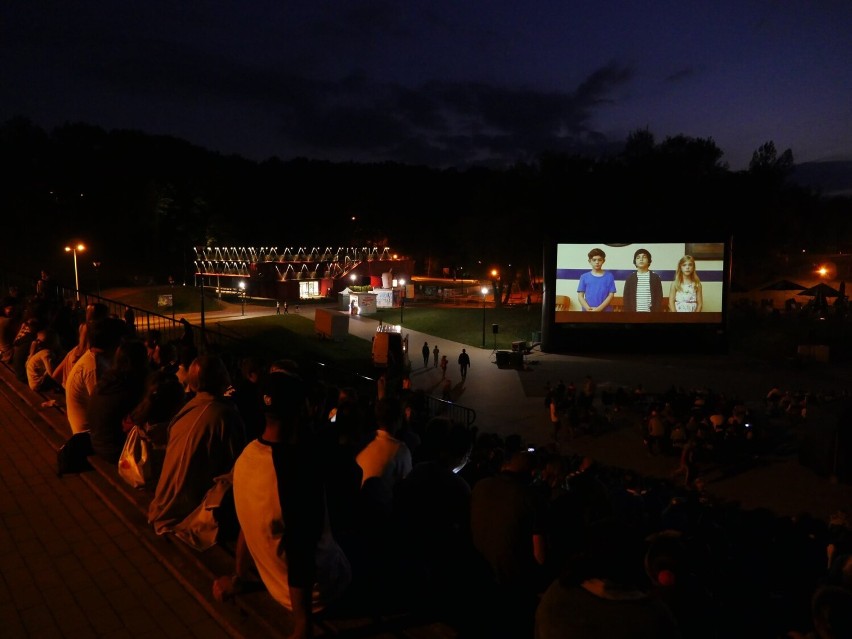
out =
column 72, row 456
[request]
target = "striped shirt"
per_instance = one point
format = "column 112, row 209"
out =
column 643, row 291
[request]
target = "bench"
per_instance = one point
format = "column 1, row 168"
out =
column 251, row 614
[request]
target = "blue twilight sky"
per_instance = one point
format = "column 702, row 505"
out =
column 441, row 83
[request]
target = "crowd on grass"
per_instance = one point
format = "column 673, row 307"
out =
column 341, row 502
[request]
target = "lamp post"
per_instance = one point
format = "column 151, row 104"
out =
column 242, row 286
column 172, row 285
column 97, row 265
column 74, row 249
column 498, row 287
column 484, row 292
column 401, row 299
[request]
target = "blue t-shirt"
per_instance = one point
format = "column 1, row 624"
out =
column 596, row 288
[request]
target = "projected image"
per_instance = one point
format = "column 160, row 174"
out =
column 640, row 283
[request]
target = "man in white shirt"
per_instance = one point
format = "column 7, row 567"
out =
column 104, row 337
column 44, row 356
column 386, row 456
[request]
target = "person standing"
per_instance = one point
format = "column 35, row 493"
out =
column 277, row 307
column 596, row 287
column 685, row 295
column 425, row 351
column 286, row 308
column 435, row 353
column 444, row 363
column 464, row 363
column 643, row 289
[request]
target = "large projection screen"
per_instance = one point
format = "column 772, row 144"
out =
column 569, row 270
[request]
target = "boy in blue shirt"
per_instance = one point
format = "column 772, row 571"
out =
column 597, row 287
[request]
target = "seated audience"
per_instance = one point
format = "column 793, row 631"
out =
column 116, row 393
column 103, row 338
column 45, row 355
column 280, row 502
column 205, row 438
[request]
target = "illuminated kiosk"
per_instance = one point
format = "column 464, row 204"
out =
column 567, row 327
column 362, row 303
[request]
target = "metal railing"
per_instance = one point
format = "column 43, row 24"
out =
column 171, row 329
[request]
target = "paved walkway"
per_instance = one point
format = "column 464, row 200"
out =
column 509, row 401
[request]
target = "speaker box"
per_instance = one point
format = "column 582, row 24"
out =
column 508, row 359
column 495, row 328
column 503, row 359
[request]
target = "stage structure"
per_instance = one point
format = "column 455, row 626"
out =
column 300, row 273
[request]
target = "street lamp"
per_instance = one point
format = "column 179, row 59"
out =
column 401, row 299
column 498, row 287
column 484, row 292
column 242, row 286
column 97, row 265
column 74, row 249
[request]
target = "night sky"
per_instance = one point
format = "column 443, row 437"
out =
column 437, row 83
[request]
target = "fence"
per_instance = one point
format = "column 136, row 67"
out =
column 228, row 345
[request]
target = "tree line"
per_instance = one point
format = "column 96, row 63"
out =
column 141, row 202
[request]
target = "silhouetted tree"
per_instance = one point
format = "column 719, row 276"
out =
column 766, row 160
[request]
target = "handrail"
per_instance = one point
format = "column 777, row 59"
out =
column 203, row 337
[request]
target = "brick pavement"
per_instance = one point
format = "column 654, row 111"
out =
column 69, row 566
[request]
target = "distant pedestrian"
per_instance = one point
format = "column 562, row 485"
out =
column 277, row 307
column 435, row 353
column 425, row 351
column 464, row 363
column 286, row 308
column 444, row 363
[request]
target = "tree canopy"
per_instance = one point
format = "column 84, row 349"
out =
column 141, row 202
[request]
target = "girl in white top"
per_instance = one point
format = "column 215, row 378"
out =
column 685, row 295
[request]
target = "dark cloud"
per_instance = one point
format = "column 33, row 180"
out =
column 459, row 122
column 439, row 82
column 454, row 123
column 680, row 75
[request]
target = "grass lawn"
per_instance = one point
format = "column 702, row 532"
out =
column 292, row 335
column 749, row 332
